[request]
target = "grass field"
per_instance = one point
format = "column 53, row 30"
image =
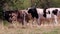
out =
column 19, row 29
column 51, row 29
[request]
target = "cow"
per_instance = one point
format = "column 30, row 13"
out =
column 7, row 15
column 54, row 12
column 36, row 12
column 10, row 15
column 47, row 14
column 44, row 16
column 22, row 17
column 14, row 15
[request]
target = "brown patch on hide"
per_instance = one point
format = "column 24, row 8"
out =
column 14, row 16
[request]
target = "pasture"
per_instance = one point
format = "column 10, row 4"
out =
column 19, row 29
column 30, row 17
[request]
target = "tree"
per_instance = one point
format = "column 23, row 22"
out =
column 43, row 3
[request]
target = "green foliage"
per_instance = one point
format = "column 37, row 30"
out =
column 18, row 4
column 1, row 14
column 24, row 4
column 5, row 23
column 47, row 3
column 55, row 3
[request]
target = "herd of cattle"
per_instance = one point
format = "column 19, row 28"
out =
column 41, row 16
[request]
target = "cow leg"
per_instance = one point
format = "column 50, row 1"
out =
column 10, row 20
column 33, row 21
column 38, row 20
column 24, row 20
column 55, row 19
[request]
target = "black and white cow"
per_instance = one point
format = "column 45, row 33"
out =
column 54, row 12
column 47, row 13
column 36, row 12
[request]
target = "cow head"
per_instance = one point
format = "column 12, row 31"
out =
column 55, row 11
column 7, row 15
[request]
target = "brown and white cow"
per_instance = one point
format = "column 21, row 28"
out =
column 23, row 17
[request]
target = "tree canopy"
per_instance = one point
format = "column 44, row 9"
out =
column 24, row 4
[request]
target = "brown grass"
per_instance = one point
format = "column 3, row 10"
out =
column 17, row 28
column 34, row 29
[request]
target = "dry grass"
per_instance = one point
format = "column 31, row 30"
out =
column 17, row 28
column 43, row 29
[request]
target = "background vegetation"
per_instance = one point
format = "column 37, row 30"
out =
column 24, row 4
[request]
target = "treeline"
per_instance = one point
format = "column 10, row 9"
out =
column 24, row 4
